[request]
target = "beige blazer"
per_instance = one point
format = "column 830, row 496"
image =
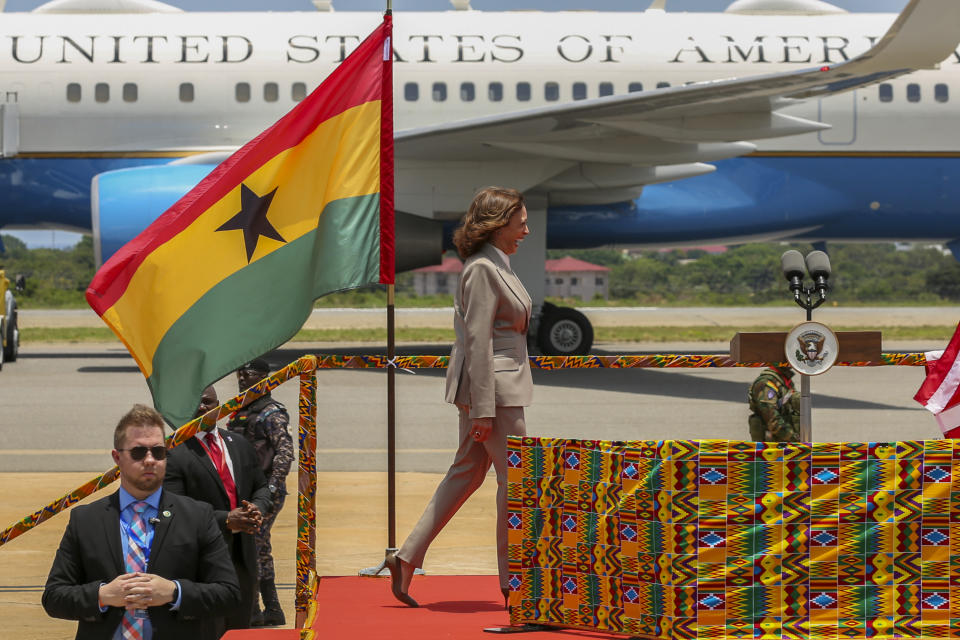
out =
column 488, row 366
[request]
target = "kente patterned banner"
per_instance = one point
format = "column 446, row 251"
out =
column 717, row 538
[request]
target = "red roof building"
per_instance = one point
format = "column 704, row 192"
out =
column 438, row 278
column 572, row 278
column 566, row 278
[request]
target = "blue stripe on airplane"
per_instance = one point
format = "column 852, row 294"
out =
column 891, row 198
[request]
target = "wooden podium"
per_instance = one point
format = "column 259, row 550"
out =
column 770, row 348
column 855, row 346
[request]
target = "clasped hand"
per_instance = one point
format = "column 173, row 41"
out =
column 137, row 591
column 245, row 519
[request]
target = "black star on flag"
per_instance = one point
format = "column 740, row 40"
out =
column 252, row 219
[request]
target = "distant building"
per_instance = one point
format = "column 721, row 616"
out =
column 439, row 278
column 572, row 278
column 566, row 278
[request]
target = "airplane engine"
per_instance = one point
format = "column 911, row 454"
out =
column 124, row 203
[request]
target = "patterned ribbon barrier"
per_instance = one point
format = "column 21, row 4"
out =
column 659, row 361
column 307, row 495
column 306, row 363
column 717, row 538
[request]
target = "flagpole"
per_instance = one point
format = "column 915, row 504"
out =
column 391, row 409
column 391, row 425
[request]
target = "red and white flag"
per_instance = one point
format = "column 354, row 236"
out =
column 940, row 392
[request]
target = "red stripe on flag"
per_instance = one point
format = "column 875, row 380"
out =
column 387, row 224
column 941, row 387
column 355, row 81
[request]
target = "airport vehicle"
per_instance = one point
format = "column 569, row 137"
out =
column 775, row 119
column 9, row 331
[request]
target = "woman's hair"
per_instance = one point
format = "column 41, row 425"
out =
column 491, row 209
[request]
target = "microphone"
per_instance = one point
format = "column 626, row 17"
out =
column 154, row 520
column 791, row 262
column 818, row 264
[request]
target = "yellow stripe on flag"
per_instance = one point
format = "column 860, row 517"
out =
column 339, row 159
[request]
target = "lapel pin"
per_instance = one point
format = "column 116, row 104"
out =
column 166, row 514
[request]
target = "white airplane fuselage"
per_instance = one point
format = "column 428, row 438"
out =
column 82, row 94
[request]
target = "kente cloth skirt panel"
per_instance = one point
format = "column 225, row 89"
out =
column 727, row 539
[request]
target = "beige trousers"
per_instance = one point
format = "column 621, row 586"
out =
column 465, row 475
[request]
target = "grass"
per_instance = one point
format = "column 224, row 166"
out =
column 706, row 333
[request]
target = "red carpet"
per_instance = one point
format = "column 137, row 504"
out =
column 450, row 607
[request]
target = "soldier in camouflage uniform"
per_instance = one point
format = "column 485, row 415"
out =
column 774, row 406
column 264, row 422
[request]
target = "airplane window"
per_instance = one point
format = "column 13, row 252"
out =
column 551, row 91
column 129, row 92
column 298, row 91
column 73, row 92
column 495, row 91
column 523, row 91
column 439, row 91
column 186, row 92
column 101, row 92
column 663, row 85
column 411, row 92
column 467, row 92
column 635, row 86
column 941, row 92
column 271, row 92
column 886, row 92
column 579, row 90
column 913, row 92
column 242, row 92
column 606, row 88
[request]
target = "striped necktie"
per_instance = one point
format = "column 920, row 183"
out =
column 135, row 560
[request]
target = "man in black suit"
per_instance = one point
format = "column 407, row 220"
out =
column 144, row 559
column 221, row 469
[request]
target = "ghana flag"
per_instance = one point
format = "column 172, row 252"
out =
column 232, row 269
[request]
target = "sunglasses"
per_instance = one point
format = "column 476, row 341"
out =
column 139, row 453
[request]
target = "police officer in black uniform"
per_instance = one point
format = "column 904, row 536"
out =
column 264, row 422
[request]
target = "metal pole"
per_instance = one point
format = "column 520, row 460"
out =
column 806, row 410
column 391, row 426
column 806, row 402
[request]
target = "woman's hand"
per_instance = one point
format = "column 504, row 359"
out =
column 481, row 429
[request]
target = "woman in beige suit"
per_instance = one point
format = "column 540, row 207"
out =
column 488, row 378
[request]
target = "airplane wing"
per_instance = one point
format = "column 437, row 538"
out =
column 605, row 149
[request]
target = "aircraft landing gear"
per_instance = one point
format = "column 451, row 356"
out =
column 11, row 347
column 563, row 332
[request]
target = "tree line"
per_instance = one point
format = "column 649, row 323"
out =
column 743, row 275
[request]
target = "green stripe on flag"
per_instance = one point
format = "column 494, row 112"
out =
column 264, row 304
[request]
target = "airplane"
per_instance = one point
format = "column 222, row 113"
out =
column 774, row 120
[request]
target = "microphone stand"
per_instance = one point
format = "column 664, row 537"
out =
column 804, row 296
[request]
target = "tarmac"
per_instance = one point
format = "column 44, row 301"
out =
column 60, row 402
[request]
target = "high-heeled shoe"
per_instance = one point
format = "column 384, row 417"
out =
column 395, row 565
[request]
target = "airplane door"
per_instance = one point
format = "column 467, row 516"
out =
column 840, row 112
column 9, row 129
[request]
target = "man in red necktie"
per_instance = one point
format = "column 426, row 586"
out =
column 221, row 469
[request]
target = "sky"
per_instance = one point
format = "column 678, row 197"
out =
column 64, row 239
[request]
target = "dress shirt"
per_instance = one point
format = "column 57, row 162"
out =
column 205, row 436
column 505, row 257
column 126, row 515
